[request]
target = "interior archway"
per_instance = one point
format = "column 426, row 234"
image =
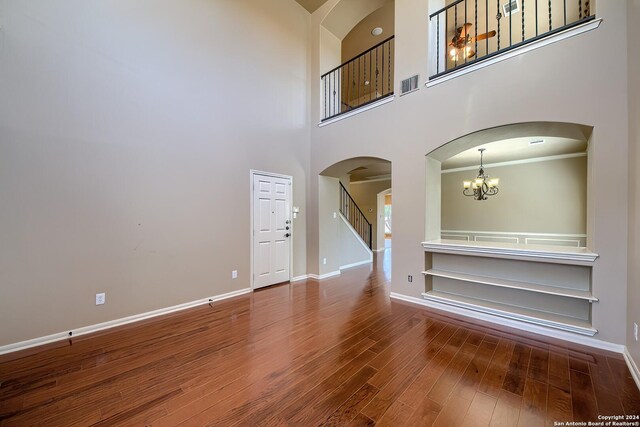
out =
column 541, row 198
column 348, row 212
column 516, row 248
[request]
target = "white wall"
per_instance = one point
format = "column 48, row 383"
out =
column 352, row 249
column 338, row 245
column 330, row 47
column 633, row 298
column 127, row 132
column 578, row 80
column 329, row 206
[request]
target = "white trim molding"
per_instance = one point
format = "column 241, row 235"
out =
column 633, row 368
column 495, row 239
column 23, row 345
column 514, row 233
column 541, row 253
column 366, row 181
column 553, row 333
column 324, row 276
column 562, row 35
column 499, row 310
column 461, row 237
column 358, row 110
column 299, row 278
column 548, row 239
column 518, row 162
column 355, row 264
column 545, row 241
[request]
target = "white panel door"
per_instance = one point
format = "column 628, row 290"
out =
column 271, row 230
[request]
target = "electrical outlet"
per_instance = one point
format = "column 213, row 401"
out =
column 335, row 215
column 234, row 274
column 410, row 278
column 635, row 330
column 324, row 261
column 100, row 298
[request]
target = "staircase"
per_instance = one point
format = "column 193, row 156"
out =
column 350, row 210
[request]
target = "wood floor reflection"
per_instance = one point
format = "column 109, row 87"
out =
column 337, row 352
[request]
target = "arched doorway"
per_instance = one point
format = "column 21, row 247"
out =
column 350, row 218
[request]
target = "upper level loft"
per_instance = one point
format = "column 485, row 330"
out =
column 461, row 33
column 358, row 50
column 465, row 32
column 364, row 79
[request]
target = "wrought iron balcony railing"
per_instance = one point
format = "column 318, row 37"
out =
column 468, row 31
column 364, row 79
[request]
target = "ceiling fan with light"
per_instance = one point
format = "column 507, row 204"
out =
column 461, row 43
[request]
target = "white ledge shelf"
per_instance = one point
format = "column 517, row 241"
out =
column 516, row 313
column 513, row 284
column 540, row 253
column 357, row 110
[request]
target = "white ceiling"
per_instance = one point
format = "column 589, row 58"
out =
column 347, row 13
column 375, row 170
column 516, row 149
column 360, row 168
column 518, row 130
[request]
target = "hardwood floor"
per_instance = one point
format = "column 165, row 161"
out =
column 333, row 353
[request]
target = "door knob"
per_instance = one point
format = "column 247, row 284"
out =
column 287, row 222
column 287, row 235
column 287, row 227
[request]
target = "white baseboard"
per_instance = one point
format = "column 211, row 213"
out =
column 324, row 276
column 299, row 278
column 23, row 345
column 356, row 264
column 633, row 368
column 566, row 336
column 379, row 250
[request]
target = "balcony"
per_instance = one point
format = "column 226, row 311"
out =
column 470, row 31
column 361, row 81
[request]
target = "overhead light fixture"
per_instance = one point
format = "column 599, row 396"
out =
column 482, row 186
column 376, row 31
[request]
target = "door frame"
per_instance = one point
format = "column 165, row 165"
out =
column 380, row 220
column 252, row 174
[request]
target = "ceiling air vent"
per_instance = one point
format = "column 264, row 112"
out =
column 409, row 85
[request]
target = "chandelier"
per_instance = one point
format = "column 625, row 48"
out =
column 481, row 187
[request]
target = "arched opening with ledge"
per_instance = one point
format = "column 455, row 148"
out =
column 518, row 247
